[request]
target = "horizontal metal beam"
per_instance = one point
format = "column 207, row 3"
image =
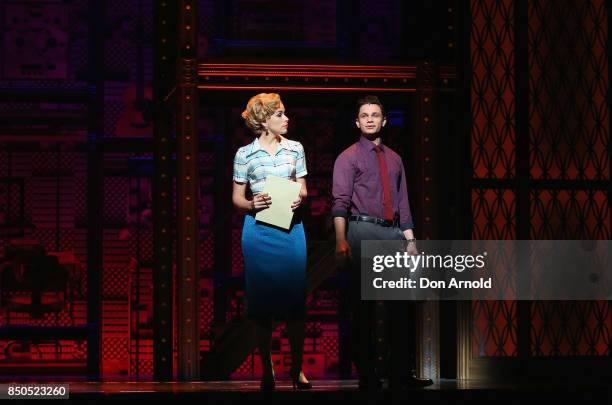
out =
column 541, row 184
column 315, row 78
column 26, row 332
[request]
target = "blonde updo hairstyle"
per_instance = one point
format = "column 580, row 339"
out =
column 259, row 109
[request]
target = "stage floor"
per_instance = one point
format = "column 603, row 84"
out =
column 336, row 391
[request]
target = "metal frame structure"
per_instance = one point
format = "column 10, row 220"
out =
column 180, row 94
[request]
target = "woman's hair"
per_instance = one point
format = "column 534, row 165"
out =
column 259, row 109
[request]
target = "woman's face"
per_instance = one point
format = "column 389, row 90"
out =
column 278, row 122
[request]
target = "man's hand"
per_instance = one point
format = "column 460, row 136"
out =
column 343, row 252
column 343, row 249
column 411, row 248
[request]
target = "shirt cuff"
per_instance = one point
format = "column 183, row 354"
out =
column 407, row 225
column 339, row 213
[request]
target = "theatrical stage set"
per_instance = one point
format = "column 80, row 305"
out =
column 138, row 142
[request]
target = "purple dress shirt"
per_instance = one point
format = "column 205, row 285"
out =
column 357, row 189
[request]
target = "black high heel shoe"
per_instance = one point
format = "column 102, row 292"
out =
column 297, row 384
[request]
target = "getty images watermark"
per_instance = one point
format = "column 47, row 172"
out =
column 413, row 262
column 489, row 269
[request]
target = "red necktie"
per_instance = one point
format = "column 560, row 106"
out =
column 384, row 176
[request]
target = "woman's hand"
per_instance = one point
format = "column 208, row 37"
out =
column 261, row 201
column 296, row 203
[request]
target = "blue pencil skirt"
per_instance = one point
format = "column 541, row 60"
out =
column 275, row 269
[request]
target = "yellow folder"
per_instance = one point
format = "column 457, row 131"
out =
column 283, row 193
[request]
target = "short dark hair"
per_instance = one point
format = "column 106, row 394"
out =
column 369, row 99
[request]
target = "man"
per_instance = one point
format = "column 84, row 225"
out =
column 376, row 207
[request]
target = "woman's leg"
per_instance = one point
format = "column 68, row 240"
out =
column 295, row 331
column 263, row 334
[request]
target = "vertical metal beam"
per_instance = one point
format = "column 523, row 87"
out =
column 464, row 339
column 521, row 76
column 223, row 237
column 95, row 185
column 187, row 197
column 163, row 229
column 345, row 135
column 428, row 328
column 609, row 102
column 463, row 24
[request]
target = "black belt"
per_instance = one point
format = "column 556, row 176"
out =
column 373, row 220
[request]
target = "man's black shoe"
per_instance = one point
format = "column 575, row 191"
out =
column 370, row 384
column 410, row 382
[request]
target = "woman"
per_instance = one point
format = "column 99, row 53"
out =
column 274, row 258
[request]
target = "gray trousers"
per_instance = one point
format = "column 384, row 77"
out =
column 400, row 349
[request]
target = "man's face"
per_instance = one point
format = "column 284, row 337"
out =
column 370, row 120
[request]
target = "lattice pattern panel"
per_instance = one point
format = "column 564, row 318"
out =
column 114, row 106
column 115, row 283
column 247, row 368
column 12, row 199
column 52, row 202
column 206, row 317
column 328, row 343
column 493, row 90
column 236, row 249
column 568, row 87
column 206, row 26
column 320, row 352
column 120, row 47
column 493, row 146
column 319, row 197
column 50, row 46
column 207, row 203
column 569, row 139
column 114, row 348
column 207, row 251
column 4, row 163
column 71, row 314
column 36, row 40
column 571, row 328
column 66, row 241
column 55, row 355
column 206, row 311
column 80, row 200
column 494, row 324
column 141, row 245
column 494, row 214
column 207, row 159
column 115, row 250
column 141, row 358
column 115, row 200
column 115, row 326
column 570, row 214
column 378, row 29
column 237, row 306
column 21, row 164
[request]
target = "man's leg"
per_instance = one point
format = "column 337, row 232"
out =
column 361, row 314
column 402, row 338
column 402, row 347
